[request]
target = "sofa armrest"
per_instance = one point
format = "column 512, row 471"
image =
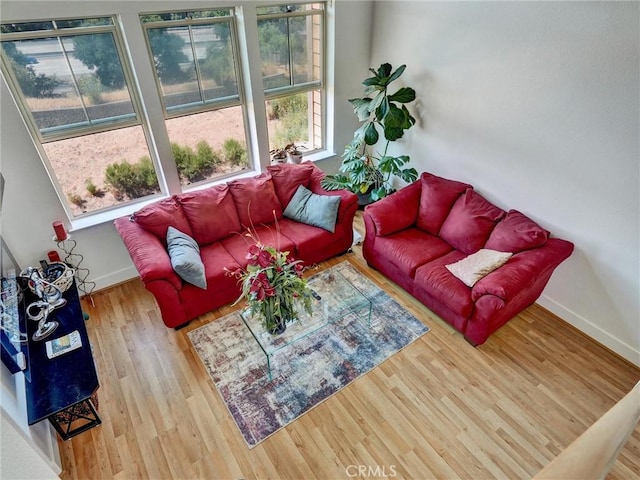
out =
column 149, row 255
column 522, row 269
column 396, row 212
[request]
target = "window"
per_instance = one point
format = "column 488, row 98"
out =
column 82, row 91
column 291, row 49
column 194, row 57
column 75, row 92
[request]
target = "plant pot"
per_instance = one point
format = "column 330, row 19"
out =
column 294, row 158
column 279, row 327
column 277, row 160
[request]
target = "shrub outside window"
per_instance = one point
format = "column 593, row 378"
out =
column 75, row 92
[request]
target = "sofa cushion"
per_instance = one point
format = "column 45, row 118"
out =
column 437, row 196
column 478, row 265
column 238, row 245
column 434, row 279
column 396, row 212
column 211, row 213
column 313, row 244
column 312, row 209
column 470, row 222
column 515, row 233
column 410, row 248
column 185, row 258
column 287, row 177
column 256, row 200
column 159, row 216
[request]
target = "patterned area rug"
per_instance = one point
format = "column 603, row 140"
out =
column 306, row 373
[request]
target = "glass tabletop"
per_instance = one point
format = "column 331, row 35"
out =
column 335, row 299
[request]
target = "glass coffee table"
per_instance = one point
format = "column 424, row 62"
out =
column 335, row 298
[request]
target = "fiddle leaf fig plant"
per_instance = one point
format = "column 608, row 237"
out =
column 384, row 118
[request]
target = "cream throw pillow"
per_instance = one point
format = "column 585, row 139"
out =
column 477, row 265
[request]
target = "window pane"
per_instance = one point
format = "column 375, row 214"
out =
column 203, row 152
column 295, row 119
column 302, row 48
column 274, row 51
column 290, row 43
column 84, row 168
column 175, row 65
column 183, row 84
column 215, row 57
column 72, row 82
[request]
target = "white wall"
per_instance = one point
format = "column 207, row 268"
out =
column 25, row 452
column 31, row 204
column 537, row 104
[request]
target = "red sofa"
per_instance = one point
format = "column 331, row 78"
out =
column 414, row 234
column 217, row 218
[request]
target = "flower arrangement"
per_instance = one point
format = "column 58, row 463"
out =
column 273, row 286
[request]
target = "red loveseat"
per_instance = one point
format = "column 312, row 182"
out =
column 414, row 234
column 218, row 218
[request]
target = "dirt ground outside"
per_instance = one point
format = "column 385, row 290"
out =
column 84, row 159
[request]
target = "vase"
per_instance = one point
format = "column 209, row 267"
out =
column 279, row 325
column 294, row 157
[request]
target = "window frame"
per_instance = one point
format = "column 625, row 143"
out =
column 306, row 87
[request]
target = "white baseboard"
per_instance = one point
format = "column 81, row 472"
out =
column 114, row 278
column 595, row 332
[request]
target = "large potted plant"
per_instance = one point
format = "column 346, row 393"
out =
column 366, row 171
column 273, row 287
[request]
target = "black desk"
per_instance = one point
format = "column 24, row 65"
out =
column 60, row 389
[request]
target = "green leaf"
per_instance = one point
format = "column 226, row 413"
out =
column 408, row 174
column 378, row 193
column 359, row 134
column 383, row 109
column 404, row 95
column 397, row 73
column 384, row 71
column 377, row 101
column 371, row 81
column 361, row 107
column 393, row 133
column 409, row 120
column 389, row 164
column 371, row 134
column 335, row 182
column 395, row 116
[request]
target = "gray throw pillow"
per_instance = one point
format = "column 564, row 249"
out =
column 185, row 257
column 312, row 209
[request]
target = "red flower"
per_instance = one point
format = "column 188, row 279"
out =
column 264, row 258
column 261, row 287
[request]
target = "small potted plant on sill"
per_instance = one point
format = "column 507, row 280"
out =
column 364, row 171
column 294, row 154
column 278, row 155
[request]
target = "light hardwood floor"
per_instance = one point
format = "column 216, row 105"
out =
column 438, row 409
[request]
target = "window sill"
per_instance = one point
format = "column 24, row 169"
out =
column 91, row 220
column 319, row 156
